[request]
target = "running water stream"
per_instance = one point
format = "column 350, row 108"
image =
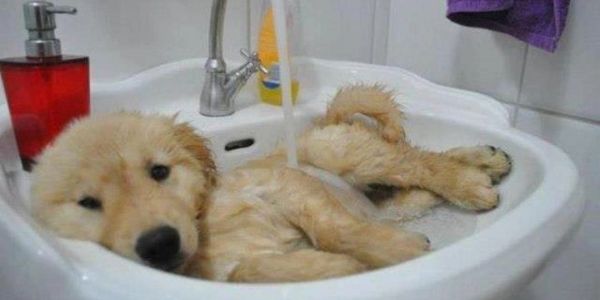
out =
column 279, row 14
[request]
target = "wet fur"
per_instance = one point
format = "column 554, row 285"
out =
column 262, row 222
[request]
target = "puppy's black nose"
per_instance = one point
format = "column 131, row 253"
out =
column 159, row 247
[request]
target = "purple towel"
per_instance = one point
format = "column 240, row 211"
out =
column 537, row 22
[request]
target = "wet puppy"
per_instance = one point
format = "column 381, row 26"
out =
column 146, row 188
column 132, row 183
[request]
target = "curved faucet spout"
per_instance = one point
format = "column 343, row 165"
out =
column 220, row 87
column 215, row 42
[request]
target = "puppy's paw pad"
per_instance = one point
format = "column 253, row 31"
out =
column 475, row 192
column 498, row 165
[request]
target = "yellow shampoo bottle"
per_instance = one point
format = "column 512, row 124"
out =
column 269, row 84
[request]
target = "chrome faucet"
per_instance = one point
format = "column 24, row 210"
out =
column 220, row 87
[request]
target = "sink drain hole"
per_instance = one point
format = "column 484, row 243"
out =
column 239, row 144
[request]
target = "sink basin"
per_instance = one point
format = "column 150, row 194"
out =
column 477, row 256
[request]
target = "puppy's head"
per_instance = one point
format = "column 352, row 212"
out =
column 132, row 183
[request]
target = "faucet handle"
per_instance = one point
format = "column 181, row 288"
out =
column 252, row 58
column 63, row 9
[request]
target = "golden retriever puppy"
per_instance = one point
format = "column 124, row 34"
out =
column 145, row 187
column 135, row 184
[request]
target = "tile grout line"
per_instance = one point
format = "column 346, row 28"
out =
column 520, row 90
column 561, row 115
column 552, row 113
column 380, row 32
column 373, row 19
column 248, row 29
column 518, row 105
column 386, row 36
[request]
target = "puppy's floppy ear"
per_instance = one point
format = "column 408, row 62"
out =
column 197, row 146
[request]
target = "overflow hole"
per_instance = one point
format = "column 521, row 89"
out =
column 239, row 144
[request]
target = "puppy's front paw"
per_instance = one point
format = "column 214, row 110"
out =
column 473, row 190
column 495, row 162
column 420, row 242
column 379, row 245
column 409, row 246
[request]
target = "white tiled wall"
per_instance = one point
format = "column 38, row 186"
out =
column 423, row 41
column 126, row 37
column 333, row 29
column 554, row 96
column 575, row 274
column 569, row 80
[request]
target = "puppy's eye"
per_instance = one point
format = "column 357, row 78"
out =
column 159, row 172
column 90, row 203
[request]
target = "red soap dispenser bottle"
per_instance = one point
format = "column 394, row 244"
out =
column 45, row 90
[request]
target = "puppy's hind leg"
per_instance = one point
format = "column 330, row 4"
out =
column 300, row 265
column 493, row 161
column 307, row 204
column 364, row 156
column 360, row 156
column 407, row 204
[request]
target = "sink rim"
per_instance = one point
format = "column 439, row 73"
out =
column 560, row 182
column 554, row 159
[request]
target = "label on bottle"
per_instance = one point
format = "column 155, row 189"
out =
column 271, row 80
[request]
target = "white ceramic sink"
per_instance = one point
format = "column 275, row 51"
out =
column 477, row 256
